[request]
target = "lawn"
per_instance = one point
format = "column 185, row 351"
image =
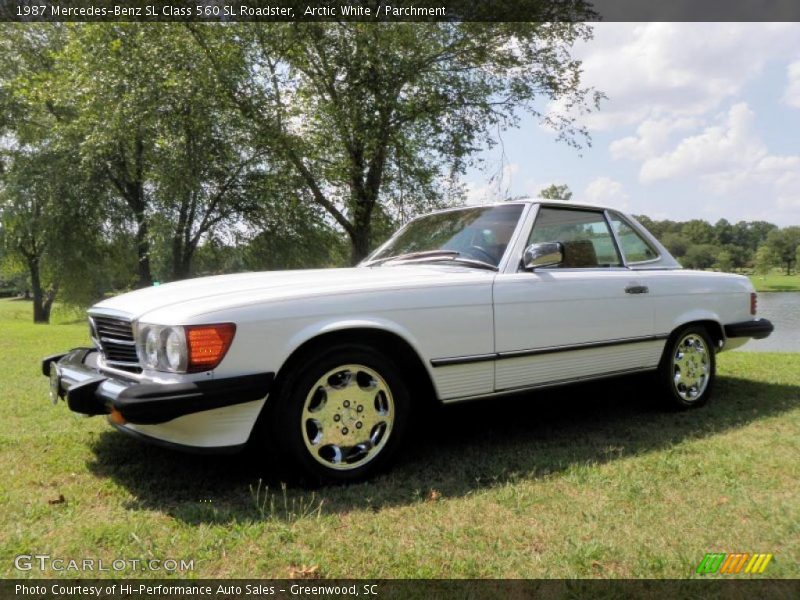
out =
column 594, row 482
column 776, row 282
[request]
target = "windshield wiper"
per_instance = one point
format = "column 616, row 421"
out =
column 434, row 255
column 414, row 255
column 472, row 262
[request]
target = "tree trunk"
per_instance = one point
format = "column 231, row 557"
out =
column 41, row 309
column 143, row 251
column 181, row 259
column 361, row 236
column 177, row 256
column 49, row 298
column 359, row 246
column 365, row 188
column 182, row 242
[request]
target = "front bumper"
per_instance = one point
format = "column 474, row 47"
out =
column 76, row 377
column 757, row 329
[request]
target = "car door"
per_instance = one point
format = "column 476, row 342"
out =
column 586, row 317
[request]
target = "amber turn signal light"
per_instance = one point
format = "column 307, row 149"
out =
column 207, row 344
column 116, row 417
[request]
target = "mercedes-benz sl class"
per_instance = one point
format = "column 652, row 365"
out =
column 326, row 368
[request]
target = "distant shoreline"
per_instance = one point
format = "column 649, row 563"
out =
column 776, row 283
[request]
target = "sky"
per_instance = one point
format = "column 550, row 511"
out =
column 702, row 121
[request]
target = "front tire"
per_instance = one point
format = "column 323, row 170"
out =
column 341, row 416
column 688, row 368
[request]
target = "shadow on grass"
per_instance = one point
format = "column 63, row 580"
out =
column 458, row 450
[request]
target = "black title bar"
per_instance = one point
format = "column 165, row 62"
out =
column 394, row 589
column 397, row 11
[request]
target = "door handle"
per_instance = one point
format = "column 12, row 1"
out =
column 637, row 289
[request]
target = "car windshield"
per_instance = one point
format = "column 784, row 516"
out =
column 477, row 236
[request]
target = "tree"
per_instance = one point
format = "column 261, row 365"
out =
column 296, row 237
column 675, row 243
column 755, row 233
column 382, row 120
column 723, row 232
column 797, row 256
column 740, row 255
column 660, row 228
column 764, row 260
column 783, row 243
column 698, row 231
column 47, row 226
column 207, row 177
column 179, row 161
column 700, row 256
column 90, row 105
column 556, row 192
column 48, row 208
column 724, row 261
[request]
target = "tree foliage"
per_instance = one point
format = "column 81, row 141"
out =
column 556, row 192
column 700, row 256
column 133, row 152
column 178, row 161
column 42, row 193
column 764, row 260
column 797, row 255
column 375, row 120
column 784, row 243
column 734, row 246
column 724, row 261
column 40, row 203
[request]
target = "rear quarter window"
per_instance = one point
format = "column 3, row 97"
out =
column 634, row 247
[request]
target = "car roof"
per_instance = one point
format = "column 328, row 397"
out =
column 544, row 201
column 564, row 203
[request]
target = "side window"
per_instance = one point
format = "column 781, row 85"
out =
column 585, row 235
column 634, row 246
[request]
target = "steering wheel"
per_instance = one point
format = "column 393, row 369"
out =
column 489, row 258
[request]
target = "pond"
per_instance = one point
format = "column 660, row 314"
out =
column 783, row 309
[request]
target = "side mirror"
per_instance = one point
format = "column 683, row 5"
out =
column 547, row 254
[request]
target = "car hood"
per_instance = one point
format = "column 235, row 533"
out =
column 209, row 294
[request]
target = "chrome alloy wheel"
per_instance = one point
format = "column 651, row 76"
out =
column 347, row 417
column 691, row 366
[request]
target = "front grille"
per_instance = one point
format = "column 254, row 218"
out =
column 115, row 338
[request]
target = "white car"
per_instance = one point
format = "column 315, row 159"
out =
column 326, row 367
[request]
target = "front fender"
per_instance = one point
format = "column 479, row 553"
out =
column 333, row 325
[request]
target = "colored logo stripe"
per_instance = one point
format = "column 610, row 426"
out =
column 758, row 563
column 734, row 563
column 710, row 563
column 721, row 562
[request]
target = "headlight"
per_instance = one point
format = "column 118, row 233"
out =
column 162, row 348
column 183, row 349
column 174, row 349
column 151, row 343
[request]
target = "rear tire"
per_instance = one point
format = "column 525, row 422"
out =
column 340, row 416
column 688, row 368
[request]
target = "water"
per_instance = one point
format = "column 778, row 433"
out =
column 783, row 309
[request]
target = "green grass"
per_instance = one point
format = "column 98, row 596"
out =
column 595, row 481
column 776, row 282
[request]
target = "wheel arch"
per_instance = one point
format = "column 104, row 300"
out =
column 712, row 326
column 377, row 335
column 710, row 322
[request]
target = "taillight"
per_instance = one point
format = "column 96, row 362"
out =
column 753, row 303
column 207, row 345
